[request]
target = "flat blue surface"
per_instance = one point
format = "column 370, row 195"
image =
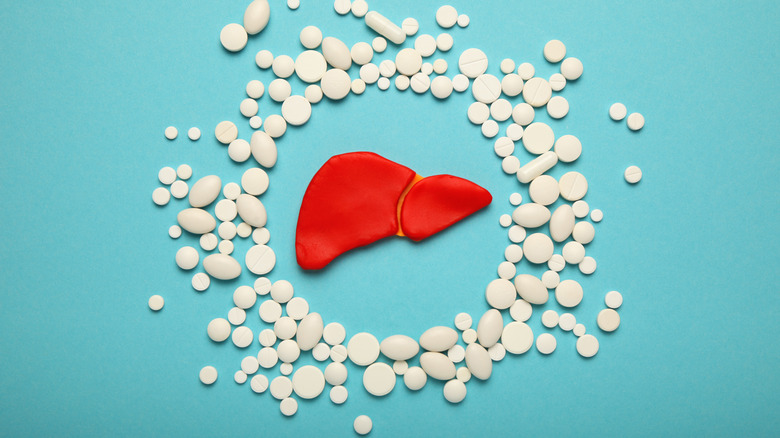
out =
column 88, row 88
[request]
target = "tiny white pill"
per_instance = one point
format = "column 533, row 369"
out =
column 635, row 121
column 174, row 231
column 171, row 132
column 208, row 375
column 379, row 44
column 469, row 336
column 550, row 318
column 613, row 299
column 554, row 51
column 410, row 26
column 617, row 111
column 515, row 199
column 490, row 128
column 444, row 42
column 558, row 107
column 437, row 365
column 167, row 175
column 460, row 82
column 463, row 374
column 608, row 320
column 633, row 174
column 240, row 377
column 362, row 424
column 446, row 16
column 557, row 82
column 286, row 368
column 383, row 83
column 473, row 62
column 587, row 345
column 571, row 69
column 546, row 343
column 567, row 322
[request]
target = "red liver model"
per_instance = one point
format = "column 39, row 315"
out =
column 360, row 197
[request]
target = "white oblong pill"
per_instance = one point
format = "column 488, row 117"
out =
column 379, row 379
column 251, row 210
column 438, row 339
column 499, row 293
column 531, row 215
column 544, row 190
column 486, row 88
column 538, row 248
column 383, row 26
column 399, row 347
column 205, row 191
column 562, row 223
column 437, row 366
column 473, row 62
column 478, row 361
column 187, row 258
column 537, row 92
column 336, row 53
column 260, row 259
column 233, row 37
column 363, row 349
column 531, row 289
column 256, row 16
column 309, row 331
column 517, row 337
column 489, row 328
column 308, row 382
column 263, row 149
column 222, row 266
column 568, row 293
column 196, row 220
column 608, row 320
column 587, row 345
column 538, row 138
column 537, row 166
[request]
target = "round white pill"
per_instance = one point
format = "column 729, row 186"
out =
column 379, row 379
column 239, row 150
column 286, row 368
column 425, row 45
column 249, row 365
column 523, row 114
column 444, row 42
column 554, row 51
column 454, row 391
column 420, row 83
column 408, row 61
column 321, row 352
column 558, row 107
column 335, row 84
column 546, row 343
column 556, row 263
column 517, row 337
column 490, row 128
column 288, row 351
column 264, row 59
column 187, row 258
column 171, row 133
column 580, row 209
column 512, row 84
column 248, row 107
column 446, row 16
column 520, row 311
column 231, row 191
column 362, row 424
column 260, row 259
column 516, row 233
column 526, row 71
column 208, row 375
column 635, row 121
column 571, row 69
column 579, row 329
column 342, row 7
column 456, row 353
column 363, row 349
column 161, row 196
column 478, row 113
column 359, row 8
column 538, row 248
column 240, row 377
column 587, row 345
column 633, row 174
column 402, row 82
column 617, row 111
column 179, row 189
column 338, row 394
column 283, row 66
column 279, row 90
column 308, row 382
column 174, row 231
column 537, row 92
column 184, row 172
column 156, row 302
column 513, row 254
column 573, row 252
column 270, row 311
column 313, row 93
column 568, row 148
column 497, row 352
column 608, row 320
column 463, row 321
column 486, row 88
column 281, row 387
column 338, row 353
column 311, row 37
column 473, row 62
column 233, row 37
column 587, row 265
column 282, row 291
column 510, row 165
column 440, row 66
column 261, row 236
column 568, row 293
column 244, row 297
column 193, row 133
column 500, row 293
column 515, row 199
column 292, row 4
column 550, row 318
column 441, row 87
column 259, row 383
column 544, row 190
column 613, row 299
column 503, row 147
column 361, row 53
column 267, row 357
column 218, row 329
column 557, row 82
column 469, row 336
column 596, row 215
column 505, row 220
column 460, row 82
column 297, row 308
column 573, row 186
column 236, row 316
column 242, row 336
column 262, row 286
column 501, row 110
column 226, row 132
column 551, row 279
column 379, row 44
column 310, row 66
column 410, row 26
column 400, row 367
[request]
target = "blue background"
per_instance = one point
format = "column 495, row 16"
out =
column 88, row 88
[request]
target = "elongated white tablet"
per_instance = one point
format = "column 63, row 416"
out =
column 489, row 328
column 397, row 347
column 440, row 338
column 310, row 331
column 562, row 223
column 336, row 53
column 531, row 215
column 196, row 220
column 383, row 26
column 537, row 166
column 531, row 289
column 478, row 361
column 263, row 148
column 222, row 267
column 256, row 16
column 437, row 366
column 205, row 191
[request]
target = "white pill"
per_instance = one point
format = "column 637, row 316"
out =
column 556, row 263
column 408, row 61
column 441, row 338
column 226, row 132
column 338, row 353
column 205, row 191
column 187, row 258
column 441, row 87
column 167, row 175
column 358, row 86
column 369, row 73
column 267, row 357
column 208, row 375
column 562, row 223
column 505, row 220
column 460, row 83
column 410, row 26
column 568, row 148
column 567, row 321
column 580, row 209
column 478, row 361
column 179, row 189
column 171, row 133
column 558, row 107
column 310, row 331
column 249, row 365
column 184, row 172
column 336, row 53
column 633, row 174
column 240, row 377
column 478, row 113
column 554, row 51
column 489, row 328
column 415, row 378
column 469, row 336
column 342, row 7
column 288, row 351
column 256, row 16
column 420, row 83
column 463, row 374
column 226, row 247
column 587, row 345
column 463, row 321
column 497, row 352
column 526, row 71
column 264, row 59
column 334, row 333
column 516, row 233
column 537, row 166
column 551, row 279
column 537, row 92
column 208, row 241
column 283, row 67
column 544, row 190
column 473, row 62
column 568, row 293
column 512, row 85
column 222, row 267
column 396, row 347
column 550, row 318
column 635, row 121
column 200, row 282
column 296, row 110
column 523, row 114
column 608, row 320
column 444, row 42
column 613, row 299
column 297, row 308
column 463, row 20
column 281, row 387
column 267, row 337
column 456, row 353
column 321, row 352
column 517, row 337
column 313, row 93
column 335, row 84
column 379, row 379
column 156, row 302
column 546, row 343
column 361, row 53
column 242, row 336
column 571, row 69
column 233, row 37
column 363, row 349
column 383, row 83
column 383, row 26
column 282, row 291
column 226, row 210
column 538, row 138
column 425, row 45
column 286, row 368
column 239, row 150
column 557, row 82
column 507, row 66
column 193, row 134
column 617, row 111
column 251, row 210
column 446, row 16
column 513, row 253
column 583, row 232
column 579, row 329
column 515, row 199
column 310, row 66
column 359, row 8
column 573, row 252
column 596, row 215
column 510, row 165
column 379, row 44
column 248, row 107
column 338, row 394
column 588, row 265
column 437, row 365
column 259, row 383
column 538, row 248
column 260, row 259
column 503, row 147
column 218, row 329
column 174, row 231
column 311, row 37
column 573, row 186
column 279, row 90
column 231, row 191
column 196, row 221
column 501, row 110
column 486, row 88
column 520, row 311
column 244, row 297
column 161, row 196
column 490, row 128
column 336, row 373
column 308, row 382
column 362, row 425
column 236, row 316
column 454, row 391
column 531, row 215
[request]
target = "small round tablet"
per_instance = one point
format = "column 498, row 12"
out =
column 497, row 352
column 233, row 37
column 526, row 71
column 617, row 111
column 554, row 51
column 226, row 132
column 454, row 391
column 161, row 196
column 174, row 231
column 579, row 329
column 218, row 329
column 200, row 282
column 379, row 44
column 608, row 320
column 635, row 121
column 342, row 7
column 544, row 190
column 237, row 316
column 179, row 189
column 587, row 345
column 460, row 82
column 588, row 265
column 571, row 69
column 573, row 186
column 156, row 302
column 537, row 92
column 264, row 59
column 568, row 293
column 490, row 128
column 311, row 37
column 184, row 172
column 550, row 318
column 456, row 353
column 473, row 62
column 596, row 215
column 463, row 20
column 208, row 375
column 463, row 321
column 171, row 133
column 293, row 5
column 281, row 387
column 521, row 311
column 558, row 107
column 446, row 16
column 444, row 42
column 363, row 424
column 193, row 133
column 515, row 199
column 338, row 394
column 359, row 8
column 613, row 299
column 538, row 138
column 546, row 343
column 410, row 26
column 240, row 377
column 242, row 336
column 633, row 174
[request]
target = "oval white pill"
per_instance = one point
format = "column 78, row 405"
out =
column 205, row 191
column 310, row 331
column 531, row 215
column 489, row 328
column 562, row 223
column 531, row 289
column 196, row 220
column 397, row 347
column 438, row 338
column 437, row 365
column 478, row 361
column 251, row 210
column 222, row 266
column 256, row 16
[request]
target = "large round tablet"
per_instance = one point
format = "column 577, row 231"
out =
column 308, row 382
column 187, row 257
column 538, row 248
column 454, row 391
column 335, row 84
column 538, row 138
column 568, row 293
column 587, row 345
column 310, row 66
column 486, row 88
column 608, row 320
column 363, row 349
column 500, row 293
column 573, row 186
column 544, row 190
column 473, row 62
column 568, row 148
column 408, row 61
column 296, row 110
column 233, row 37
column 517, row 337
column 379, row 379
column 537, row 92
